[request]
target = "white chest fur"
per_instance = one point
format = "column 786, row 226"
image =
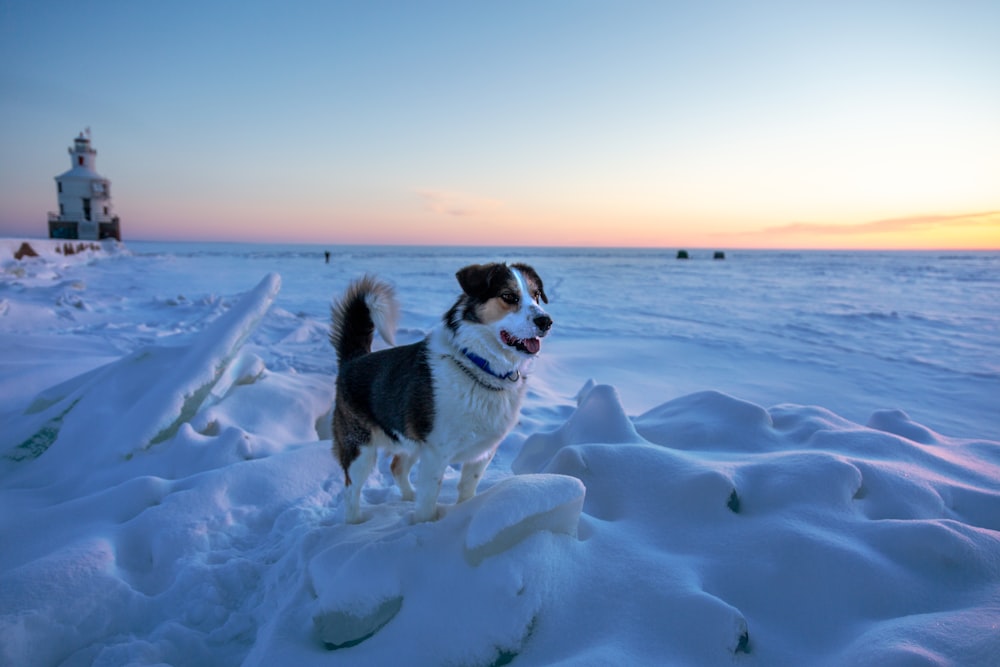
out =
column 471, row 415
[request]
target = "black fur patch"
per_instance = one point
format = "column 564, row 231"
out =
column 482, row 282
column 390, row 389
column 353, row 330
column 464, row 310
column 534, row 280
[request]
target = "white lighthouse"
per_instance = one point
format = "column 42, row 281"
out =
column 85, row 210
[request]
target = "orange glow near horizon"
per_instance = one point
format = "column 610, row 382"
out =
column 597, row 219
column 977, row 231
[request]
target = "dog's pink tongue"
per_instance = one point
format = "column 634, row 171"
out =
column 532, row 345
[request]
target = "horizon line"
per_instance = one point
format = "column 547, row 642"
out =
column 542, row 246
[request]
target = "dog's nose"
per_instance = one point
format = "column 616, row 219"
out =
column 543, row 322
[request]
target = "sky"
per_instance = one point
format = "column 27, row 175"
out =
column 739, row 124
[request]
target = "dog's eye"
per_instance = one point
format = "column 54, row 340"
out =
column 510, row 298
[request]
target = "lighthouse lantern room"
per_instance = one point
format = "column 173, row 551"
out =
column 85, row 210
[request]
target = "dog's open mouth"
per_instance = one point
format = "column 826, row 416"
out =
column 527, row 345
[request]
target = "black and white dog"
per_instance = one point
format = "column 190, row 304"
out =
column 449, row 398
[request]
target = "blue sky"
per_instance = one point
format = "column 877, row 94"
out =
column 579, row 123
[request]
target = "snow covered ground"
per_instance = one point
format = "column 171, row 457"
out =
column 776, row 459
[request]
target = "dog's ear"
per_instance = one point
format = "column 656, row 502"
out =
column 532, row 276
column 478, row 279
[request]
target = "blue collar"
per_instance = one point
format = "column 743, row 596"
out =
column 484, row 366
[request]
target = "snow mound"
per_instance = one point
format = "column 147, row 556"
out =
column 481, row 571
column 140, row 400
column 517, row 507
column 599, row 417
column 788, row 534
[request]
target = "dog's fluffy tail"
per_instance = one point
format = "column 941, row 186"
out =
column 367, row 305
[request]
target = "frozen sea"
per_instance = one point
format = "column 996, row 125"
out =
column 776, row 458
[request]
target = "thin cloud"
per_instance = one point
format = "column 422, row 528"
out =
column 457, row 204
column 889, row 226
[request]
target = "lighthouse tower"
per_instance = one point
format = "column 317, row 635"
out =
column 84, row 199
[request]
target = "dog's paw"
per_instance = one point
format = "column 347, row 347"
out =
column 423, row 515
column 354, row 515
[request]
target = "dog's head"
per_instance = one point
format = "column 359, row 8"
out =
column 506, row 300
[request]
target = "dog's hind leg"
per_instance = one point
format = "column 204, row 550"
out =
column 472, row 472
column 401, row 464
column 356, row 474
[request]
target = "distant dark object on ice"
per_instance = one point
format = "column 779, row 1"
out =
column 25, row 251
column 684, row 254
column 67, row 248
column 45, row 248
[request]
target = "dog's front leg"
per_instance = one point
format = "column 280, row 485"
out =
column 430, row 472
column 472, row 472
